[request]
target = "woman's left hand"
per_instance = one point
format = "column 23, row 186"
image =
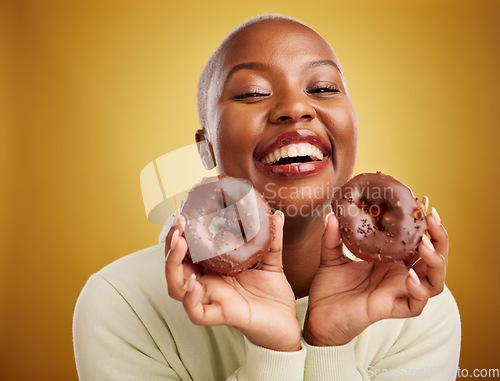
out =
column 348, row 296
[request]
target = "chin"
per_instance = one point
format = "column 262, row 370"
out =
column 302, row 199
column 304, row 208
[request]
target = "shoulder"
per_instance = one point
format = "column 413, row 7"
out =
column 135, row 281
column 145, row 260
column 139, row 272
column 128, row 292
column 124, row 310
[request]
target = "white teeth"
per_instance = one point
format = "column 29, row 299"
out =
column 293, row 150
column 317, row 154
column 283, row 152
column 302, row 148
column 276, row 154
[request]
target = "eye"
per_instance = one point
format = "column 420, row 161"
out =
column 251, row 94
column 324, row 88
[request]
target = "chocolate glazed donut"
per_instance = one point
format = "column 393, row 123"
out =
column 380, row 218
column 229, row 224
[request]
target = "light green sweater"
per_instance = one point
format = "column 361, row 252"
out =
column 126, row 327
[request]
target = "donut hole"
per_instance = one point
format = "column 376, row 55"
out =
column 216, row 225
column 376, row 210
column 221, row 224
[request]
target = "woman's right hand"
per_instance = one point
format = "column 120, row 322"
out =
column 259, row 302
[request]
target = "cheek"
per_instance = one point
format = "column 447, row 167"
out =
column 235, row 137
column 342, row 124
column 346, row 140
column 345, row 123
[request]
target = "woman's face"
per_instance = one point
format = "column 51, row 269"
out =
column 281, row 116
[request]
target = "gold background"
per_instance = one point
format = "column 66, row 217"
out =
column 90, row 92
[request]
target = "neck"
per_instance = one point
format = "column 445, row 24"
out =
column 302, row 239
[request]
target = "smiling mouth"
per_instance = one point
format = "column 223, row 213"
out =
column 293, row 154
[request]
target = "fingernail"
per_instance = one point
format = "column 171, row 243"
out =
column 176, row 218
column 425, row 199
column 436, row 216
column 182, row 221
column 327, row 217
column 175, row 238
column 190, row 282
column 414, row 277
column 427, row 242
column 280, row 213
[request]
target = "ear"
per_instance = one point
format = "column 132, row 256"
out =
column 205, row 149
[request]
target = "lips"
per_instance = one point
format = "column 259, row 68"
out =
column 294, row 151
column 297, row 153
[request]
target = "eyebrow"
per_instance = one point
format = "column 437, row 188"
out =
column 314, row 64
column 261, row 67
column 245, row 65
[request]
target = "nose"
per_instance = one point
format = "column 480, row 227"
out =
column 292, row 108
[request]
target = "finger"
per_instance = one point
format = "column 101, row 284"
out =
column 331, row 252
column 178, row 224
column 272, row 259
column 418, row 294
column 168, row 240
column 439, row 236
column 425, row 200
column 425, row 204
column 174, row 269
column 192, row 300
column 199, row 313
column 435, row 272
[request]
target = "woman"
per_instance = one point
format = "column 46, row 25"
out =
column 308, row 312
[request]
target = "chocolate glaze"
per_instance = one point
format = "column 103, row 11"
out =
column 380, row 219
column 244, row 224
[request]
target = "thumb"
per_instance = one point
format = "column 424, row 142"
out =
column 272, row 260
column 331, row 251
